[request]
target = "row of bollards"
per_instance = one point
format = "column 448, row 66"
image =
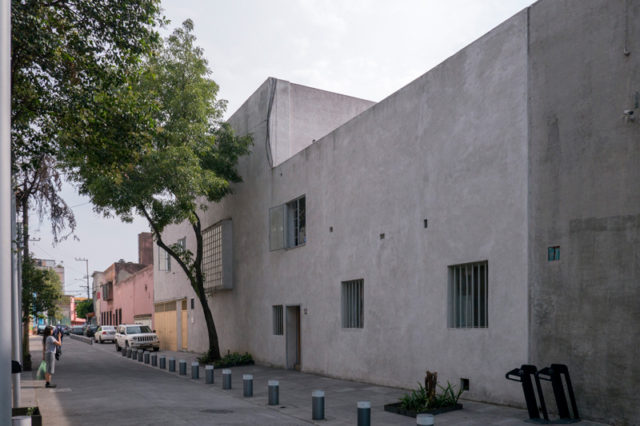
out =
column 317, row 396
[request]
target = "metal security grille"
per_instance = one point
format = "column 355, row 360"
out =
column 212, row 256
column 278, row 320
column 353, row 304
column 469, row 295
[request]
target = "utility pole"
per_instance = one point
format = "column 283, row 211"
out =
column 86, row 261
column 5, row 209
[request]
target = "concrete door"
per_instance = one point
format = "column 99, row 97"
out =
column 185, row 326
column 167, row 325
column 294, row 355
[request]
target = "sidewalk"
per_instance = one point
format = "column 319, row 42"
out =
column 182, row 400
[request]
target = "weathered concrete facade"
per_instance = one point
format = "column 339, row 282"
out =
column 515, row 144
column 584, row 196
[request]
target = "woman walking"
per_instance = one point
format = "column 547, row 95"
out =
column 49, row 344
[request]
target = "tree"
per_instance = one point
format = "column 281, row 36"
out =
column 64, row 51
column 84, row 307
column 172, row 155
column 41, row 290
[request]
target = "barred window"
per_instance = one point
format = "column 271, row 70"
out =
column 353, row 304
column 212, row 256
column 469, row 295
column 164, row 260
column 278, row 320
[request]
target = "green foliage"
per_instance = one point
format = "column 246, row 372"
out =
column 41, row 290
column 62, row 53
column 84, row 307
column 229, row 360
column 155, row 146
column 418, row 400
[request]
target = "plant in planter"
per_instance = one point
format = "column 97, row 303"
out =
column 33, row 412
column 426, row 400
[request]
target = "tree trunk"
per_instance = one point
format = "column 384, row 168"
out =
column 214, row 346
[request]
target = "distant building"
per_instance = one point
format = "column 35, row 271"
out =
column 67, row 307
column 51, row 264
column 123, row 293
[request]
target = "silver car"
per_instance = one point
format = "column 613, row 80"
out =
column 105, row 333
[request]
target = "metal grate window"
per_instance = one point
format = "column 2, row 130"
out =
column 353, row 304
column 212, row 256
column 469, row 295
column 164, row 261
column 278, row 320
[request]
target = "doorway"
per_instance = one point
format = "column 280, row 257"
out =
column 293, row 338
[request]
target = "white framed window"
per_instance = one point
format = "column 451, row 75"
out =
column 164, row 260
column 287, row 224
column 278, row 320
column 182, row 242
column 353, row 304
column 469, row 295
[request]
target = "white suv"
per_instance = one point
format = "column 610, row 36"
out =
column 136, row 336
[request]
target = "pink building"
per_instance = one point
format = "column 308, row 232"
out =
column 133, row 298
column 124, row 291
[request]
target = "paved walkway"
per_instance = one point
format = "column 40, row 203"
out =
column 96, row 385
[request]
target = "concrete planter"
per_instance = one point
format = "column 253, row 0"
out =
column 397, row 409
column 34, row 412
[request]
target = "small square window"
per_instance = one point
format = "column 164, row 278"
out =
column 353, row 304
column 553, row 253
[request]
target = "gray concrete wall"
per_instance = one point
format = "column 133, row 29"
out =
column 450, row 147
column 584, row 197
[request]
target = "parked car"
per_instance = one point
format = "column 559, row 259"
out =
column 41, row 328
column 136, row 336
column 105, row 333
column 90, row 330
column 77, row 329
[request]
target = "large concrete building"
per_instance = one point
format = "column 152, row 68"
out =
column 487, row 215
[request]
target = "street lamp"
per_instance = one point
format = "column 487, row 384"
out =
column 86, row 261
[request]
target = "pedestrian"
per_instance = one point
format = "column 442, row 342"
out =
column 58, row 333
column 49, row 344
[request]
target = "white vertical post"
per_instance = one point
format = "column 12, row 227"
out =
column 5, row 208
column 15, row 307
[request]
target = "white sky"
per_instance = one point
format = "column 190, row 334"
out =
column 363, row 48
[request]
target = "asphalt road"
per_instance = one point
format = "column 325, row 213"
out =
column 97, row 386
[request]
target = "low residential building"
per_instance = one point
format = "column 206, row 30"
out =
column 482, row 217
column 124, row 291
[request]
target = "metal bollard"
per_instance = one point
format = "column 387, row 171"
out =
column 123, row 352
column 163, row 362
column 146, row 357
column 195, row 370
column 140, row 354
column 128, row 351
column 317, row 405
column 183, row 367
column 247, row 385
column 154, row 360
column 424, row 420
column 364, row 413
column 274, row 393
column 226, row 379
column 208, row 373
column 172, row 364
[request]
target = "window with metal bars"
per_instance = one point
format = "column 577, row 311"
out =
column 212, row 256
column 469, row 295
column 164, row 263
column 278, row 320
column 353, row 304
